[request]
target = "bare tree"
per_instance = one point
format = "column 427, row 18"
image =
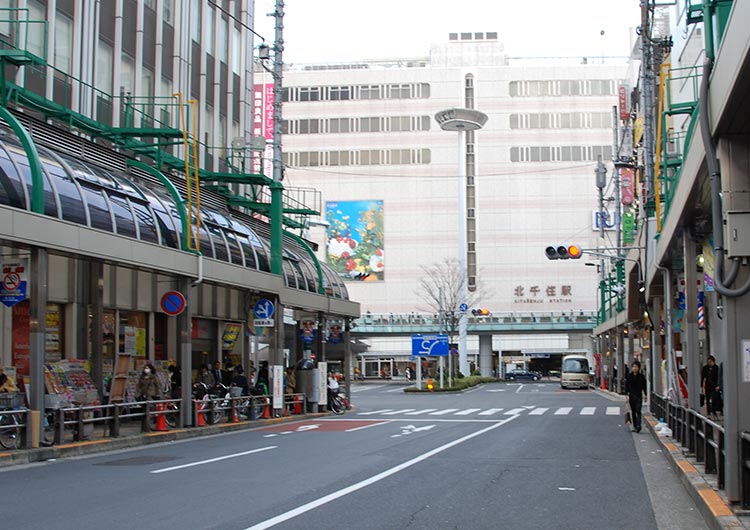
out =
column 441, row 287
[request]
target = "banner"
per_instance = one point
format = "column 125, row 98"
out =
column 355, row 239
column 15, row 282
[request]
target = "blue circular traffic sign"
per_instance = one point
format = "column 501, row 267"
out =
column 173, row 303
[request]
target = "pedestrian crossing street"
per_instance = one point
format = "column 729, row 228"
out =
column 498, row 412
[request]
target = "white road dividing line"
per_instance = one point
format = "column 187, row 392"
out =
column 418, row 412
column 210, row 460
column 511, row 412
column 519, row 388
column 394, row 412
column 373, row 412
column 613, row 411
column 466, row 412
column 444, row 411
column 588, row 411
column 366, row 426
column 489, row 412
column 538, row 411
column 268, row 523
column 563, row 411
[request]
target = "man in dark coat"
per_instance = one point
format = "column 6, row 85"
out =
column 710, row 385
column 635, row 388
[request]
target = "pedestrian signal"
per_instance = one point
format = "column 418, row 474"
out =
column 563, row 252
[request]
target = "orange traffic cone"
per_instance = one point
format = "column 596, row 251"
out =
column 604, row 384
column 201, row 418
column 298, row 404
column 161, row 421
column 267, row 410
column 235, row 415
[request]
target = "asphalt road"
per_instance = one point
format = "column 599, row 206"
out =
column 527, row 456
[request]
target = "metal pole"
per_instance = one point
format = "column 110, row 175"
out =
column 278, row 169
column 38, row 329
column 185, row 345
column 463, row 364
column 647, row 85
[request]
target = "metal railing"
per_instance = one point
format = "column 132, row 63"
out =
column 703, row 438
column 80, row 423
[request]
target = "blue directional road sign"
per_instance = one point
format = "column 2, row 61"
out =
column 463, row 308
column 263, row 309
column 429, row 345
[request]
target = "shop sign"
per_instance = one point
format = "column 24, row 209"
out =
column 229, row 338
column 15, row 282
column 622, row 102
column 263, row 322
column 278, row 386
column 322, row 383
column 627, row 186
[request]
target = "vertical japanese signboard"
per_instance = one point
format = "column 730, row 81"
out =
column 263, row 112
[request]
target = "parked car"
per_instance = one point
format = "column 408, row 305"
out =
column 522, row 375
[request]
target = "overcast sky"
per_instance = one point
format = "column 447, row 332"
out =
column 352, row 30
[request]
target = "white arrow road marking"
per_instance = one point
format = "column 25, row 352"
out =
column 303, row 428
column 489, row 412
column 210, row 460
column 408, row 429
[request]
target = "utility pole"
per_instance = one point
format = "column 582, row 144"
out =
column 601, row 183
column 277, row 209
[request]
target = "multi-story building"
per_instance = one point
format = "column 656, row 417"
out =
column 366, row 136
column 687, row 280
column 112, row 112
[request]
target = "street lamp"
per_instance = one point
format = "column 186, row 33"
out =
column 460, row 120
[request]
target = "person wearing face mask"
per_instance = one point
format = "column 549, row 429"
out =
column 148, row 384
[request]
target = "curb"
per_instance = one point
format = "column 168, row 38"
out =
column 712, row 505
column 89, row 447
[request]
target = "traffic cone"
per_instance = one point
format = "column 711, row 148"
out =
column 267, row 410
column 201, row 418
column 298, row 404
column 161, row 421
column 604, row 384
column 235, row 415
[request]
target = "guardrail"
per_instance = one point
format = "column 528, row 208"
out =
column 702, row 437
column 76, row 424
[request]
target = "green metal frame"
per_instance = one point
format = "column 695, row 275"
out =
column 35, row 164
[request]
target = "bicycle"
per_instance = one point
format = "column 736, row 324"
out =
column 336, row 403
column 10, row 425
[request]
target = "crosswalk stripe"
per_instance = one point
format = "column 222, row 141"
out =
column 466, row 412
column 511, row 412
column 588, row 411
column 442, row 412
column 418, row 412
column 374, row 412
column 489, row 412
column 563, row 411
column 393, row 413
column 613, row 411
column 538, row 411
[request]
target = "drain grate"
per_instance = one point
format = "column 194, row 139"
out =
column 138, row 461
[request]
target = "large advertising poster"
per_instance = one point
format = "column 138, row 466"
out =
column 263, row 126
column 355, row 239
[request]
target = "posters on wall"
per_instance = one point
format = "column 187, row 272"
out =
column 356, row 239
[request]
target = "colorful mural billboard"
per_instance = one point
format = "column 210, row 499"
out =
column 355, row 239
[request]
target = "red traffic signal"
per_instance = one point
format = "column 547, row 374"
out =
column 563, row 252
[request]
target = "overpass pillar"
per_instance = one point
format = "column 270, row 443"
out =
column 485, row 355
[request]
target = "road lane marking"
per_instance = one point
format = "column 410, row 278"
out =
column 496, row 390
column 538, row 411
column 366, row 426
column 372, row 412
column 444, row 411
column 466, row 412
column 393, row 413
column 366, row 387
column 588, row 411
column 563, row 411
column 418, row 412
column 489, row 412
column 394, row 390
column 268, row 523
column 613, row 411
column 511, row 412
column 210, row 460
column 519, row 388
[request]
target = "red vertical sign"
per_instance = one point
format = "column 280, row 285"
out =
column 21, row 337
column 622, row 94
column 627, row 186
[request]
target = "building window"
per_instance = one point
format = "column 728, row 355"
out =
column 167, row 11
column 211, row 24
column 196, row 12
column 104, row 67
column 64, row 43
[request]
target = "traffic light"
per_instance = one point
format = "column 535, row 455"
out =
column 563, row 252
column 480, row 312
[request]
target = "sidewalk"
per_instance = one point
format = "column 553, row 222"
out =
column 701, row 486
column 132, row 437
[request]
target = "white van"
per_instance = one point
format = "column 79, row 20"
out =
column 575, row 372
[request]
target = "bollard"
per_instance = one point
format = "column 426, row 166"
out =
column 79, row 430
column 114, row 429
column 297, row 404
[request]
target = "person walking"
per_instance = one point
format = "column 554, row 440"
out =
column 710, row 385
column 148, row 384
column 635, row 389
